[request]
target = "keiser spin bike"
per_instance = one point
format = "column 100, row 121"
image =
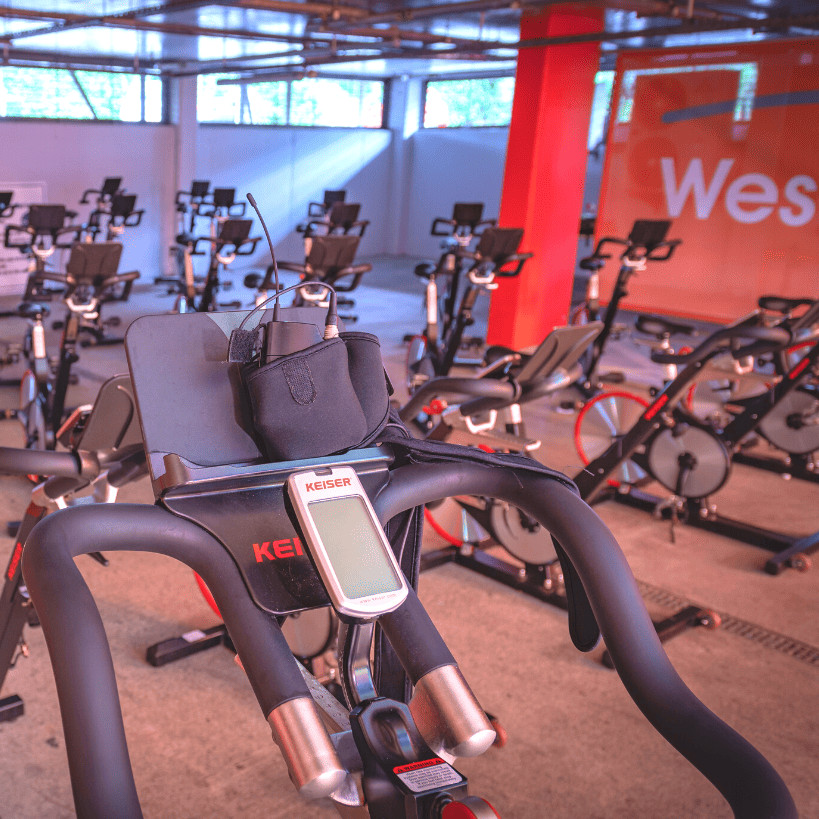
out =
column 207, row 464
column 91, row 271
column 43, row 232
column 249, row 453
column 103, row 451
column 645, row 243
column 626, row 441
column 791, row 429
column 496, row 256
column 459, row 232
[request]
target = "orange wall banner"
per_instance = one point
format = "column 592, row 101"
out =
column 722, row 141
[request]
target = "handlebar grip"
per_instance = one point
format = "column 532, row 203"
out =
column 18, row 229
column 249, row 244
column 763, row 340
column 768, row 340
column 119, row 278
column 441, row 221
column 670, row 246
column 15, row 461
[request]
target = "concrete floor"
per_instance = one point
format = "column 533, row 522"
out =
column 578, row 746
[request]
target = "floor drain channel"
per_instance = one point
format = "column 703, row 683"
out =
column 804, row 652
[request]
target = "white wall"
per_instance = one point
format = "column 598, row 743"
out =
column 70, row 157
column 448, row 166
column 286, row 168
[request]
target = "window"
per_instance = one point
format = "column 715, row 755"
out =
column 601, row 106
column 344, row 103
column 318, row 102
column 59, row 93
column 463, row 103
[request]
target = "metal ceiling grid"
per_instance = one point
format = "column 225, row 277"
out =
column 258, row 38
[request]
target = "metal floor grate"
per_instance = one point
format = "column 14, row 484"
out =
column 804, row 652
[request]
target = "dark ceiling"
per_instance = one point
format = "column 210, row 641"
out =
column 260, row 38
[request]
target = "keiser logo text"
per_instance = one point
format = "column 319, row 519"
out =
column 332, row 483
column 281, row 549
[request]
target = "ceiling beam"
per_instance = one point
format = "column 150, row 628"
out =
column 310, row 8
column 72, row 20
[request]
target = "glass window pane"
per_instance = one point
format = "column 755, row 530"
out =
column 57, row 93
column 217, row 103
column 113, row 96
column 266, row 104
column 601, row 105
column 475, row 102
column 339, row 103
column 153, row 99
column 41, row 92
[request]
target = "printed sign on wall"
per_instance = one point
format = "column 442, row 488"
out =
column 722, row 141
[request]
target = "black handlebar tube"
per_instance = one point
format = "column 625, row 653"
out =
column 15, row 461
column 100, row 767
column 744, row 777
column 451, row 387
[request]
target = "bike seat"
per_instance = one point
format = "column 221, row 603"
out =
column 30, row 310
column 185, row 239
column 424, row 270
column 592, row 263
column 659, row 327
column 779, row 304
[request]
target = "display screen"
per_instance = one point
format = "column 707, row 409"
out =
column 354, row 548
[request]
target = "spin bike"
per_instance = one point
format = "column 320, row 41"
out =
column 232, row 238
column 112, row 220
column 496, row 256
column 486, row 410
column 626, row 441
column 91, row 271
column 43, row 232
column 217, row 493
column 111, row 187
column 104, row 453
column 458, row 234
column 645, row 243
column 792, row 427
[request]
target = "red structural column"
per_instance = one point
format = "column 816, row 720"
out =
column 545, row 170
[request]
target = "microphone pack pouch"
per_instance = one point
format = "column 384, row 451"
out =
column 327, row 398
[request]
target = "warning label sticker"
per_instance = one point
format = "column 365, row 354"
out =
column 427, row 775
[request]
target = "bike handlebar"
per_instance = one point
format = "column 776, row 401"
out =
column 454, row 224
column 763, row 340
column 244, row 247
column 632, row 249
column 83, row 669
column 15, row 461
column 451, row 387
